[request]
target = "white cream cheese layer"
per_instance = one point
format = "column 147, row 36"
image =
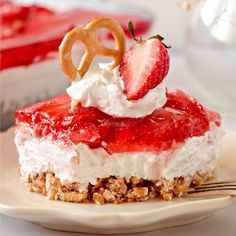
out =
column 79, row 163
column 102, row 88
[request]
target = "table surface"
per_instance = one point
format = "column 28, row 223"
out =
column 222, row 223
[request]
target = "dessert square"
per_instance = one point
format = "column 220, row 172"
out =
column 88, row 155
column 117, row 135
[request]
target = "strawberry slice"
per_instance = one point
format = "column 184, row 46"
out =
column 144, row 65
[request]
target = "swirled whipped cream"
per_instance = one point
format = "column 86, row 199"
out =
column 102, row 87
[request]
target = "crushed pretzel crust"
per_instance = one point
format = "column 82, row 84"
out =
column 112, row 189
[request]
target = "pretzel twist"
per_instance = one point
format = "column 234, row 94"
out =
column 88, row 37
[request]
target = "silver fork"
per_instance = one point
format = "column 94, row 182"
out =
column 211, row 189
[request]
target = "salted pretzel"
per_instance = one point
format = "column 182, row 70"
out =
column 93, row 48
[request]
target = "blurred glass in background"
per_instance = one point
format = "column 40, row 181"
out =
column 211, row 53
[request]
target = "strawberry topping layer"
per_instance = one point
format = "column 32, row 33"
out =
column 182, row 117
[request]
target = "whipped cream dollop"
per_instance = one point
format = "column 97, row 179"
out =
column 102, row 87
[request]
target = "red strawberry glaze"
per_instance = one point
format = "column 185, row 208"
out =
column 182, row 117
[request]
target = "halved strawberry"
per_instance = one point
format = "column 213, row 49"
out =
column 144, row 65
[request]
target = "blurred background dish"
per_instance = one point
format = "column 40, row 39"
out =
column 30, row 36
column 211, row 54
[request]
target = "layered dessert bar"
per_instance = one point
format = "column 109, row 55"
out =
column 117, row 135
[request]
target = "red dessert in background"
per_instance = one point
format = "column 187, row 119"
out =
column 30, row 36
column 31, row 33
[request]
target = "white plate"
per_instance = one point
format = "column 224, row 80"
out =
column 107, row 219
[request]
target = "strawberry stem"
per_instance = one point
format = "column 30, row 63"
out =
column 158, row 36
column 141, row 39
column 131, row 30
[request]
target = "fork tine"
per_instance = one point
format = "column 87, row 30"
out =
column 220, row 182
column 210, row 193
column 221, row 188
column 215, row 186
column 211, row 189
